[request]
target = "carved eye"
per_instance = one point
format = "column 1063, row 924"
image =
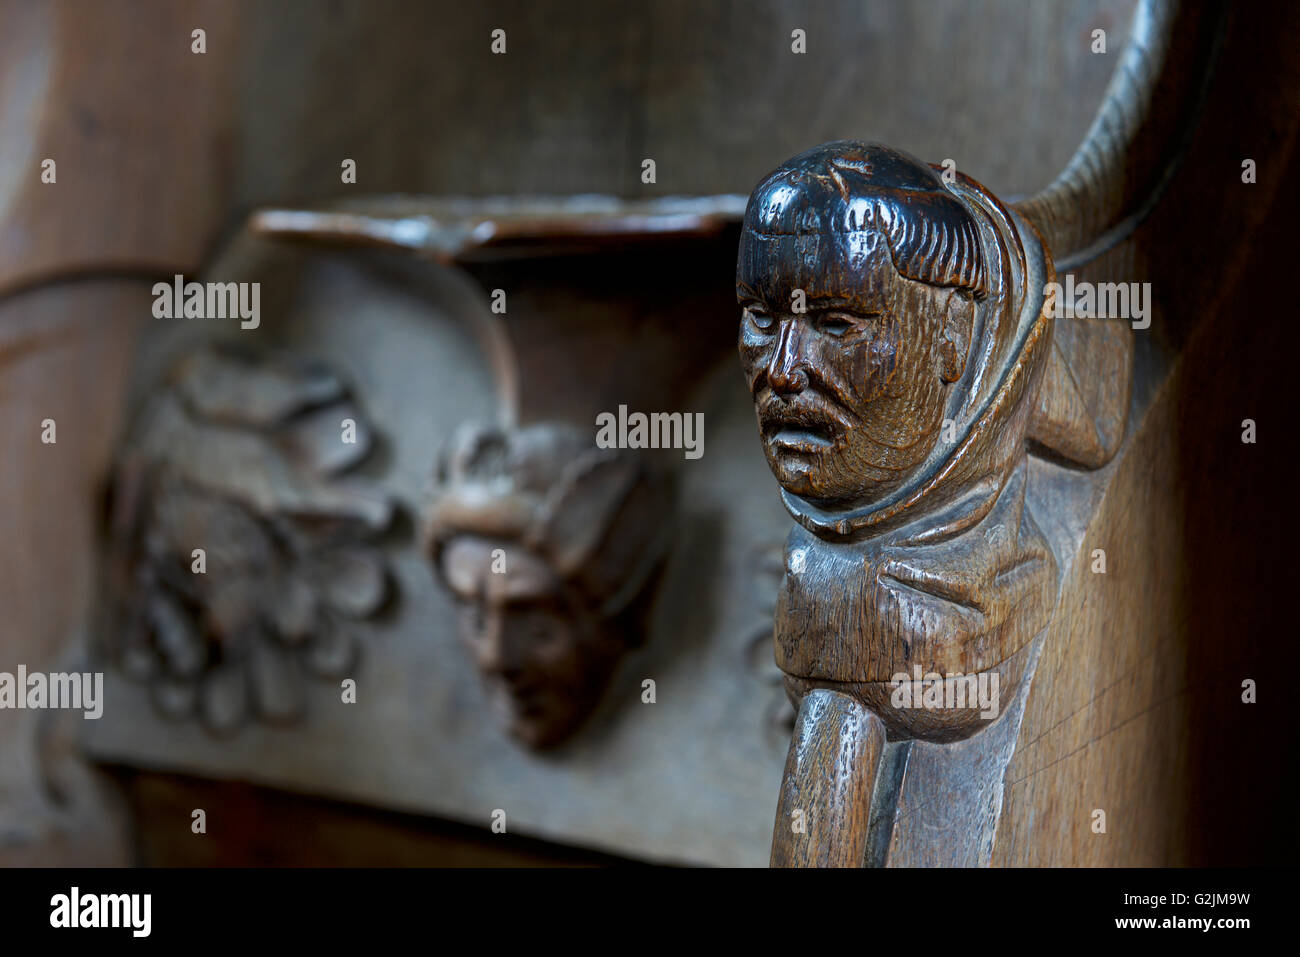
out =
column 835, row 324
column 760, row 320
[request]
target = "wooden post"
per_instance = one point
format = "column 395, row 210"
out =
column 824, row 814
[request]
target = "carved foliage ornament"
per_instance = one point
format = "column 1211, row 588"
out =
column 242, row 552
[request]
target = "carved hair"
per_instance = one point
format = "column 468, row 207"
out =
column 849, row 187
column 596, row 516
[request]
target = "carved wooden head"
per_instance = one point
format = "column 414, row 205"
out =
column 546, row 541
column 858, row 274
column 894, row 337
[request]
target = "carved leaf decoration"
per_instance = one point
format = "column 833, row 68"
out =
column 224, row 699
column 244, row 459
column 252, row 469
column 274, row 677
column 219, row 388
column 332, row 653
column 175, row 636
column 311, row 441
column 296, row 613
column 353, row 581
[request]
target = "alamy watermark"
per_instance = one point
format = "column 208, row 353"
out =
column 933, row 691
column 75, row 909
column 208, row 300
column 658, row 430
column 1101, row 300
column 82, row 691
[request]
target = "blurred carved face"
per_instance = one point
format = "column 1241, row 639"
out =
column 849, row 392
column 543, row 662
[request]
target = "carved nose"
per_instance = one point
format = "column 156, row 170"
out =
column 493, row 647
column 785, row 371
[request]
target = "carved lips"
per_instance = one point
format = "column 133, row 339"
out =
column 797, row 429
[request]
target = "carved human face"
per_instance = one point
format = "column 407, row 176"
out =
column 543, row 662
column 850, row 392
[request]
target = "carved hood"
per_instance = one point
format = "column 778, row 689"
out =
column 949, row 572
column 991, row 404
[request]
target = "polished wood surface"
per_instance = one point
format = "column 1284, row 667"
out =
column 823, row 817
column 1127, row 701
column 840, row 629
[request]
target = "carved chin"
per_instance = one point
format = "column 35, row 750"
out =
column 802, row 467
column 820, row 476
column 794, row 472
column 536, row 716
column 542, row 727
column 800, row 455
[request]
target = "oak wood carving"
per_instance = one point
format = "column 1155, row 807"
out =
column 242, row 454
column 894, row 338
column 897, row 338
column 548, row 544
column 1104, row 703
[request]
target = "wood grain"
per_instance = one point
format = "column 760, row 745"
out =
column 824, row 813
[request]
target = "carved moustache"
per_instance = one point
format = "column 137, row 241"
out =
column 811, row 420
